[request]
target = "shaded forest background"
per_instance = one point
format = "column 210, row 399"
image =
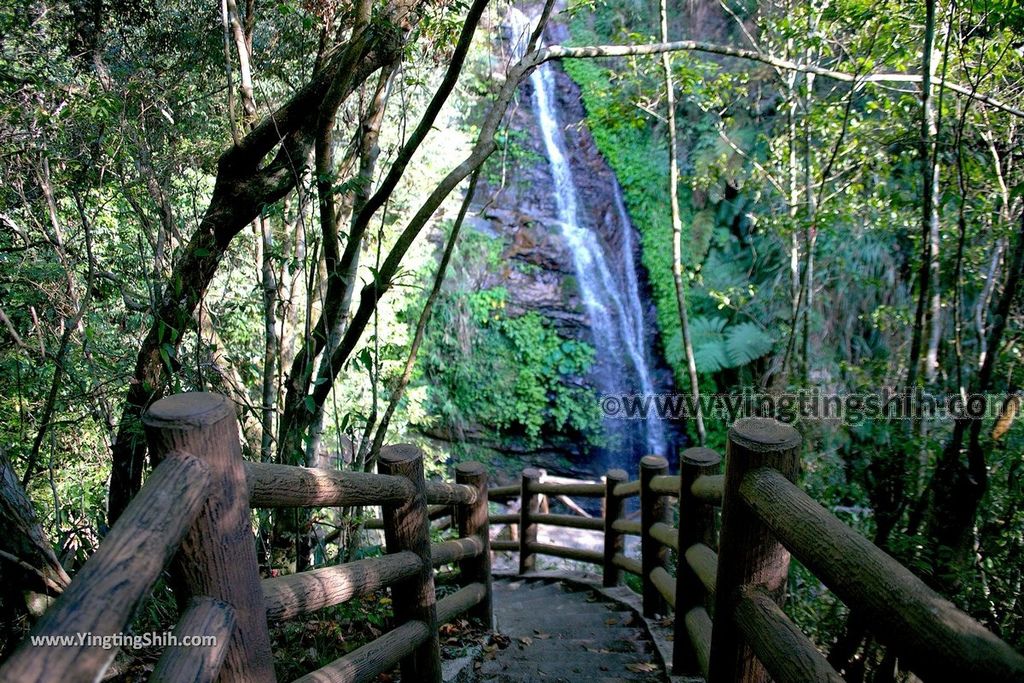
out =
column 268, row 201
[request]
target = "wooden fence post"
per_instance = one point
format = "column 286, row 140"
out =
column 748, row 553
column 218, row 554
column 653, row 509
column 696, row 525
column 472, row 520
column 529, row 507
column 614, row 542
column 407, row 527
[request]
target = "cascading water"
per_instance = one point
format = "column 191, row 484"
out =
column 612, row 300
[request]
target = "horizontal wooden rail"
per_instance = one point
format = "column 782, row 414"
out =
column 787, row 654
column 107, row 590
column 369, row 661
column 570, row 521
column 460, row 601
column 577, row 554
column 666, row 535
column 434, row 512
column 698, row 628
column 445, row 493
column 627, row 526
column 198, row 664
column 503, row 518
column 498, row 544
column 666, row 585
column 665, row 484
column 582, row 490
column 503, row 492
column 708, row 488
column 628, row 564
column 704, row 563
column 937, row 639
column 287, row 597
column 455, row 550
column 629, row 488
column 289, row 486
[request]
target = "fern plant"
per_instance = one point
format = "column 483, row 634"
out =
column 718, row 345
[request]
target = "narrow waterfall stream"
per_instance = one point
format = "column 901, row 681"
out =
column 610, row 295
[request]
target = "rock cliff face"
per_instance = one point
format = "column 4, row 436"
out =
column 522, row 211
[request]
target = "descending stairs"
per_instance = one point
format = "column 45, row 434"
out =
column 564, row 633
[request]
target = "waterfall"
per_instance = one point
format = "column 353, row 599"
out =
column 612, row 300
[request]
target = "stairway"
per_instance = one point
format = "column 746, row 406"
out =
column 563, row 633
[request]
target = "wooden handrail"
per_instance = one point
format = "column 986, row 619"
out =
column 289, row 486
column 455, row 550
column 665, row 584
column 703, row 562
column 666, row 485
column 699, row 629
column 504, row 492
column 501, row 545
column 787, row 654
column 109, row 587
column 445, row 493
column 577, row 554
column 666, row 535
column 208, row 617
column 630, row 527
column 628, row 564
column 628, row 489
column 583, row 490
column 570, row 521
column 287, row 597
column 708, row 488
column 364, row 664
column 504, row 518
column 462, row 600
column 936, row 638
column 434, row 512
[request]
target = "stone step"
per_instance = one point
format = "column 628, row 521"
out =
column 574, row 670
column 560, row 632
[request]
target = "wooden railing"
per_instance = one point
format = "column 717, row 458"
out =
column 741, row 577
column 193, row 516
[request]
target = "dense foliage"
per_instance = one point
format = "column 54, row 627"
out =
column 802, row 200
column 252, row 200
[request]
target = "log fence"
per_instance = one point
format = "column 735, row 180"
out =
column 192, row 518
column 737, row 568
column 725, row 586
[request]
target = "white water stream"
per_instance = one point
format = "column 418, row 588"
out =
column 612, row 302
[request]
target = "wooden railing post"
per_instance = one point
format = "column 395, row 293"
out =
column 530, row 506
column 653, row 509
column 218, row 554
column 696, row 525
column 407, row 527
column 472, row 520
column 748, row 552
column 614, row 542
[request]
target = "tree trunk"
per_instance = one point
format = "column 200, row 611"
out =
column 245, row 183
column 677, row 232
